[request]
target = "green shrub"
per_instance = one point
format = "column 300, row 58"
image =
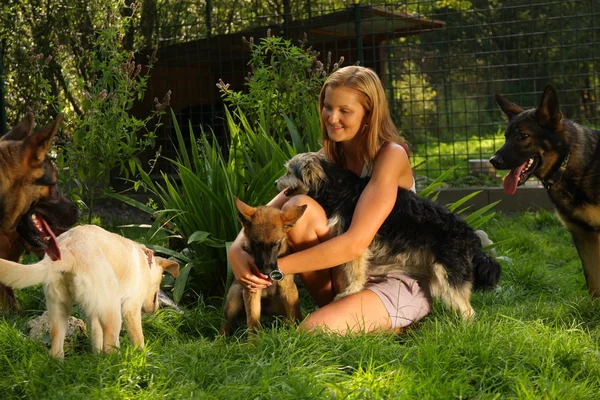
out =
column 282, row 90
column 100, row 135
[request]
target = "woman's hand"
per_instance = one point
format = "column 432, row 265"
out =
column 245, row 271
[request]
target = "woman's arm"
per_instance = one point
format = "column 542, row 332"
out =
column 391, row 168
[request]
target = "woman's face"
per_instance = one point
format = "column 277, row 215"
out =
column 342, row 113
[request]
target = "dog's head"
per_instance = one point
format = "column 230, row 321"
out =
column 304, row 174
column 158, row 266
column 45, row 220
column 266, row 231
column 30, row 201
column 534, row 143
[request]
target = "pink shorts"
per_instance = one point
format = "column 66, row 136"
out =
column 405, row 300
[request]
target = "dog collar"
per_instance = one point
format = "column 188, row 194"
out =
column 276, row 275
column 558, row 174
column 149, row 256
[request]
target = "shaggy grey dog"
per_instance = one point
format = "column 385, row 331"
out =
column 420, row 237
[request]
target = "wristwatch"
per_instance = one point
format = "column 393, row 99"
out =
column 276, row 275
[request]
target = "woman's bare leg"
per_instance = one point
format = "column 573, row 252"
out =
column 311, row 229
column 359, row 312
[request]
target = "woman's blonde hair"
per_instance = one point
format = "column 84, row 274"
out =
column 378, row 125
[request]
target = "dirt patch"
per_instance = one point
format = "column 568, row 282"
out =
column 114, row 212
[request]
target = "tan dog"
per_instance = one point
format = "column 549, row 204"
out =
column 266, row 231
column 110, row 277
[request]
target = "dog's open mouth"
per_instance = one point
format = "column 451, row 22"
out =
column 518, row 176
column 40, row 236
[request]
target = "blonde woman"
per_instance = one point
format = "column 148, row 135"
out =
column 359, row 135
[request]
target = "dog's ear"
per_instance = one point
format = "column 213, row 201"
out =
column 22, row 130
column 548, row 114
column 313, row 174
column 170, row 266
column 290, row 217
column 37, row 144
column 510, row 110
column 245, row 212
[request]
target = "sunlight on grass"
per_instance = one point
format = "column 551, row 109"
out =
column 536, row 336
column 431, row 159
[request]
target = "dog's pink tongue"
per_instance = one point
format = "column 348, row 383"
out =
column 511, row 181
column 50, row 239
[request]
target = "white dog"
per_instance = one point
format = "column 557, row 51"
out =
column 112, row 279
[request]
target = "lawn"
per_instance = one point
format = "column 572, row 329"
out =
column 536, row 336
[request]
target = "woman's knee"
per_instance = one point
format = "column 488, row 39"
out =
column 311, row 226
column 312, row 323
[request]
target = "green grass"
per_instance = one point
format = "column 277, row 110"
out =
column 433, row 158
column 536, row 337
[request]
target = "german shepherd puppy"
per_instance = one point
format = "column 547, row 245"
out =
column 31, row 206
column 565, row 157
column 419, row 237
column 266, row 231
column 110, row 277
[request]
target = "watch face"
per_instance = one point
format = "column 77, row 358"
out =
column 276, row 275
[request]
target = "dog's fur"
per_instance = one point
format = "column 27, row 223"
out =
column 32, row 209
column 110, row 277
column 266, row 231
column 565, row 156
column 419, row 237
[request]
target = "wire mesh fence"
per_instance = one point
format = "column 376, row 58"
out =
column 440, row 61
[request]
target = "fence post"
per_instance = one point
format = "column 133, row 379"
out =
column 287, row 14
column 3, row 127
column 358, row 31
column 208, row 18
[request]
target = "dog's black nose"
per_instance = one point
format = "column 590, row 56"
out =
column 496, row 161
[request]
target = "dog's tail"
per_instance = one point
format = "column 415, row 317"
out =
column 486, row 271
column 20, row 276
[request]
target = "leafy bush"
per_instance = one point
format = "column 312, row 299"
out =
column 100, row 135
column 282, row 90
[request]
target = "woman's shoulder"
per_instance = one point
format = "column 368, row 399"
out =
column 392, row 165
column 391, row 151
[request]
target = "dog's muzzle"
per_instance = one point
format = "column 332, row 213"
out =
column 497, row 161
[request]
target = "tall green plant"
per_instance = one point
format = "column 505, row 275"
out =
column 281, row 90
column 196, row 202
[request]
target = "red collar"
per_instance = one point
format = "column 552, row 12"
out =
column 149, row 256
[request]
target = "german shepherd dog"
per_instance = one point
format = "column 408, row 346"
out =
column 112, row 278
column 266, row 231
column 419, row 237
column 565, row 157
column 31, row 206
